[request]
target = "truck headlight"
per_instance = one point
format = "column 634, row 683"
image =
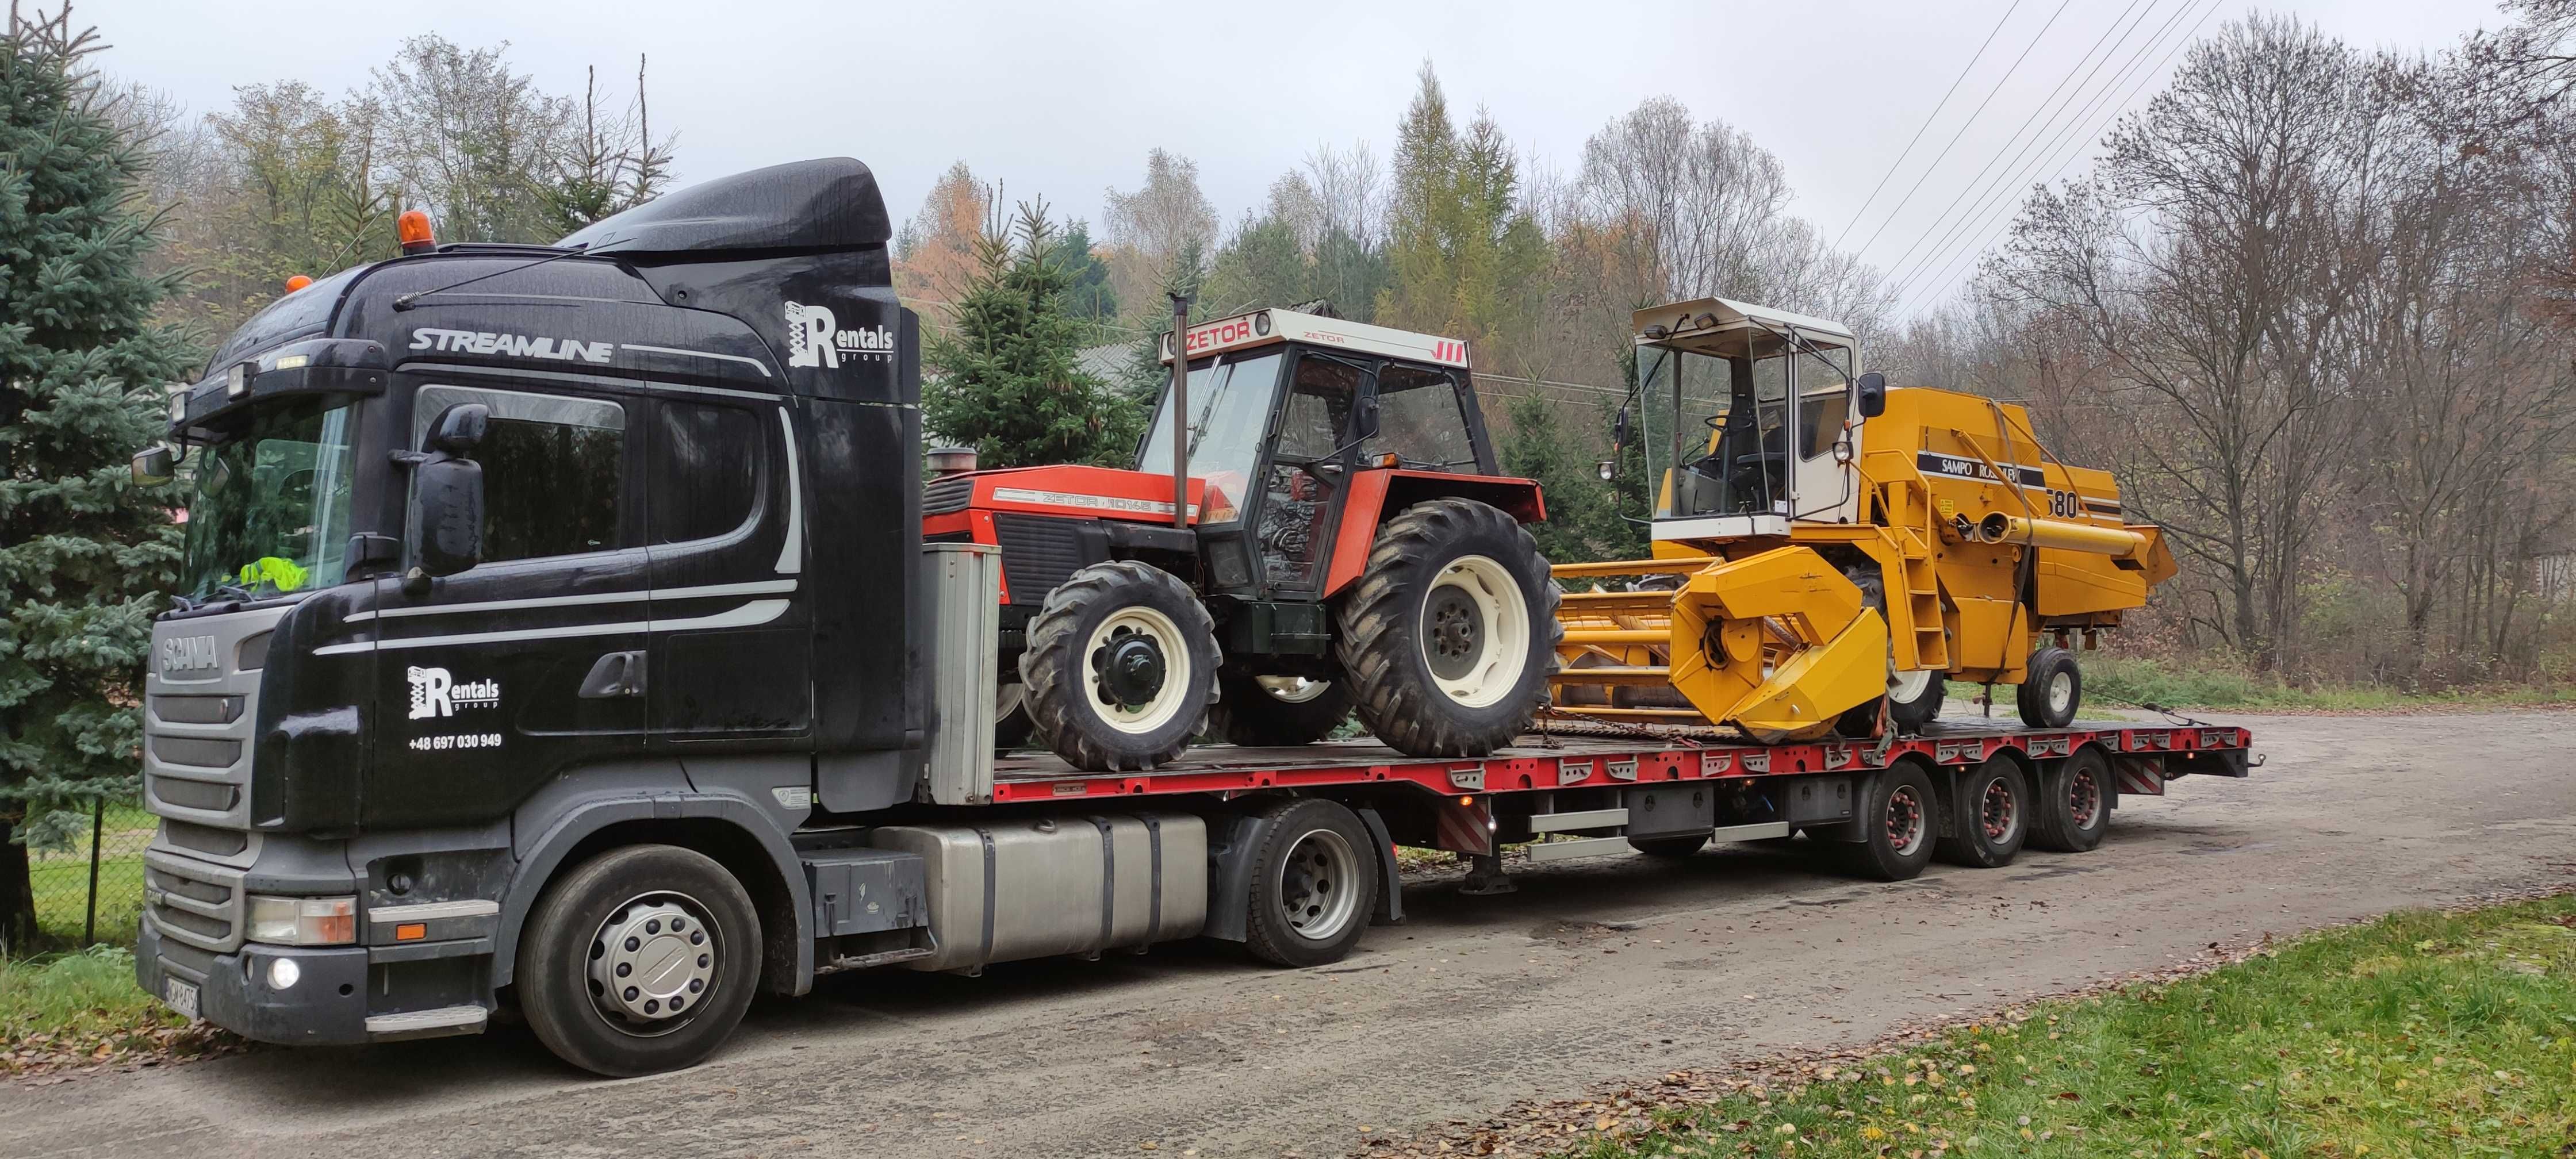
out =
column 304, row 921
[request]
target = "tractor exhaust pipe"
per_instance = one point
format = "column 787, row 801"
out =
column 2063, row 535
column 1180, row 410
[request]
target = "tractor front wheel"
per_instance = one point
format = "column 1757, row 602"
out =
column 1450, row 634
column 1267, row 711
column 1120, row 665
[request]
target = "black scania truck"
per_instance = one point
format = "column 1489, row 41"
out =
column 558, row 636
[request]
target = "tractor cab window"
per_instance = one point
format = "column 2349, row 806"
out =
column 1229, row 411
column 1421, row 420
column 1296, row 501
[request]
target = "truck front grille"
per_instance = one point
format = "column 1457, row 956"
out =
column 200, row 905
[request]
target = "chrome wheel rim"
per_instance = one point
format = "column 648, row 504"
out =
column 653, row 963
column 1317, row 886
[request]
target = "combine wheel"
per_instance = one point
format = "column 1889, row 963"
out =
column 1260, row 711
column 1119, row 668
column 1913, row 698
column 1450, row 633
column 2050, row 693
column 1898, row 827
column 1314, row 884
column 1990, row 816
column 2073, row 806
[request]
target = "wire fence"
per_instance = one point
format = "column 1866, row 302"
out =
column 92, row 891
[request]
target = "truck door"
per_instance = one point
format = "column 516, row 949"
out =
column 732, row 641
column 494, row 678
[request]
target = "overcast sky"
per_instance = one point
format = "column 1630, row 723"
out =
column 1064, row 99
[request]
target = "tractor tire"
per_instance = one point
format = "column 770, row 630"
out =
column 1450, row 634
column 1277, row 711
column 640, row 960
column 2073, row 803
column 1120, row 667
column 2053, row 690
column 1011, row 723
column 1990, row 816
column 1898, row 827
column 1913, row 698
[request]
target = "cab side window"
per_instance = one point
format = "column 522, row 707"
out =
column 718, row 451
column 554, row 470
column 1420, row 420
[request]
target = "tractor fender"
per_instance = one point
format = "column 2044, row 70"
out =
column 1379, row 493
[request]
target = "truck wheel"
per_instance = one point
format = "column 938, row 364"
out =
column 1119, row 667
column 641, row 960
column 1450, row 634
column 1673, row 847
column 1897, row 824
column 1913, row 698
column 1991, row 818
column 2073, row 805
column 1011, row 723
column 1259, row 711
column 2050, row 693
column 1314, row 884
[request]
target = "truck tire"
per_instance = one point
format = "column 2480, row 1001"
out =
column 1897, row 824
column 1314, row 884
column 1670, row 847
column 1120, row 666
column 1450, row 634
column 1267, row 711
column 2051, row 692
column 1913, row 698
column 1990, row 815
column 640, row 960
column 2073, row 804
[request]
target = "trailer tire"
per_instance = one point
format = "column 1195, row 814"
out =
column 577, row 943
column 1261, row 711
column 1450, row 633
column 1990, row 815
column 1675, row 848
column 2051, row 691
column 1314, row 884
column 2073, row 804
column 1120, row 667
column 1897, row 824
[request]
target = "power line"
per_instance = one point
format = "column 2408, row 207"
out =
column 2044, row 106
column 1934, row 115
column 1964, row 126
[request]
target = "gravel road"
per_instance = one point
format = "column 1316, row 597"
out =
column 1592, row 972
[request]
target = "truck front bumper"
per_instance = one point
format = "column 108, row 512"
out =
column 327, row 1005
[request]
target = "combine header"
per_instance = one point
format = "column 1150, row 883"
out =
column 1794, row 500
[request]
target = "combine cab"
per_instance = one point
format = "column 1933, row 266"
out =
column 1824, row 546
column 1349, row 546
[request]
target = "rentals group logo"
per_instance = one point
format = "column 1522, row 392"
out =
column 436, row 693
column 814, row 338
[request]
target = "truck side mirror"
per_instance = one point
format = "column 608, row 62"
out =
column 1872, row 388
column 153, row 466
column 446, row 507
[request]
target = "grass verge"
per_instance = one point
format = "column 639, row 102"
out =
column 77, row 1010
column 2419, row 1034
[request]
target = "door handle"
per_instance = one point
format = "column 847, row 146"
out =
column 616, row 674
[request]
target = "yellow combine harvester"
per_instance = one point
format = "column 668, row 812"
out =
column 1824, row 545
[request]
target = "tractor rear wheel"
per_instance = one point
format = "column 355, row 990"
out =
column 1277, row 711
column 1119, row 668
column 2051, row 692
column 1450, row 634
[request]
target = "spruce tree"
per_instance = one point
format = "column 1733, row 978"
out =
column 1005, row 380
column 84, row 553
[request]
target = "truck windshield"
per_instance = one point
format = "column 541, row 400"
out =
column 1229, row 412
column 268, row 509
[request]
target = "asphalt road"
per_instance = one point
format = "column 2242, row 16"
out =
column 1592, row 972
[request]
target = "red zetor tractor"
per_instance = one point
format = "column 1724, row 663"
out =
column 1350, row 547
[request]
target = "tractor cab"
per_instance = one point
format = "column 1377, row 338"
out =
column 1751, row 419
column 1288, row 414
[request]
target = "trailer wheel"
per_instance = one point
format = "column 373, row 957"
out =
column 1990, row 816
column 1450, row 634
column 2050, row 693
column 1898, row 826
column 1258, row 711
column 1119, row 668
column 1314, row 884
column 642, row 960
column 1672, row 847
column 2073, row 805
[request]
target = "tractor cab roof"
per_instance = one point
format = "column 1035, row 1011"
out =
column 1268, row 327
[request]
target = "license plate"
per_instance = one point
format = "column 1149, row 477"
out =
column 182, row 997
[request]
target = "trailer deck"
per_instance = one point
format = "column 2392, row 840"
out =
column 2144, row 757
